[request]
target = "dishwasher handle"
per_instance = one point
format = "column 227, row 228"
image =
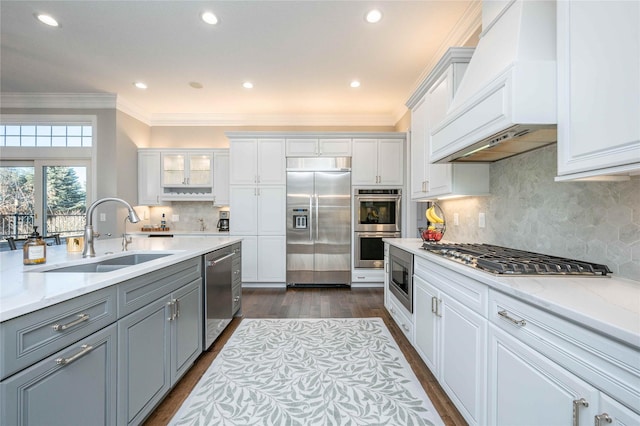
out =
column 212, row 263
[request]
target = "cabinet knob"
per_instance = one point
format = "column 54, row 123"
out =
column 604, row 417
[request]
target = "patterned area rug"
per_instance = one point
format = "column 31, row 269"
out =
column 309, row 372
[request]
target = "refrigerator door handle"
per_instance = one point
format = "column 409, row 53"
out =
column 317, row 217
column 310, row 217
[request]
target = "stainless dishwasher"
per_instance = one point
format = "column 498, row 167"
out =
column 219, row 291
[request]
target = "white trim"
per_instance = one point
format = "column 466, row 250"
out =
column 58, row 100
column 271, row 120
column 132, row 110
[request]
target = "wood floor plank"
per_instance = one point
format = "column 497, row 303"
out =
column 310, row 303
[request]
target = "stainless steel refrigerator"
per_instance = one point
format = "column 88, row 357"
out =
column 319, row 221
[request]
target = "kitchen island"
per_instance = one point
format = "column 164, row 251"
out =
column 525, row 349
column 117, row 340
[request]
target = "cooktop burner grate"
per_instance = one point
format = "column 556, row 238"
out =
column 508, row 261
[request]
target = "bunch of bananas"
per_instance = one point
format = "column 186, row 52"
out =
column 432, row 216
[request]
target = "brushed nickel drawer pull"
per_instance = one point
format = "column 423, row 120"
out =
column 604, row 417
column 577, row 403
column 504, row 314
column 85, row 350
column 63, row 327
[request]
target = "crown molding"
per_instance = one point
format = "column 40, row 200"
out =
column 58, row 100
column 132, row 110
column 467, row 25
column 271, row 120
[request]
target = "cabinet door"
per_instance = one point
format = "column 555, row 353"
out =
column 221, row 178
column 302, row 147
column 149, row 186
column 174, row 170
column 244, row 206
column 186, row 336
column 200, row 171
column 439, row 98
column 81, row 391
column 334, row 147
column 425, row 298
column 143, row 361
column 598, row 86
column 364, row 164
column 463, row 358
column 243, row 161
column 271, row 210
column 619, row 414
column 271, row 162
column 526, row 388
column 418, row 146
column 271, row 259
column 249, row 258
column 390, row 162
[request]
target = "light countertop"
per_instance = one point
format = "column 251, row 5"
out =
column 22, row 290
column 608, row 305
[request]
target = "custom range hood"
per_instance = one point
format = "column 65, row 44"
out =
column 506, row 102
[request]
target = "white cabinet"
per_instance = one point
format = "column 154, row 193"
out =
column 258, row 210
column 557, row 362
column 377, row 162
column 257, row 162
column 189, row 169
column 527, row 388
column 429, row 107
column 185, row 175
column 450, row 335
column 257, row 199
column 149, row 187
column 598, row 88
column 221, row 178
column 263, row 258
column 319, row 147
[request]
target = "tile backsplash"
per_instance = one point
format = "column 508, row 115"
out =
column 192, row 216
column 592, row 221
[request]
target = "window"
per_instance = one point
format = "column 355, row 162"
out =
column 45, row 174
column 58, row 135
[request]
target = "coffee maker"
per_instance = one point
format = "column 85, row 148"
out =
column 223, row 221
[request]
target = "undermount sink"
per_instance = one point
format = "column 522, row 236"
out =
column 108, row 265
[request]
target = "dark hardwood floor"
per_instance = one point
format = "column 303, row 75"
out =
column 310, row 303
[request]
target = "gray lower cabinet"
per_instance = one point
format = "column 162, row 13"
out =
column 157, row 344
column 75, row 386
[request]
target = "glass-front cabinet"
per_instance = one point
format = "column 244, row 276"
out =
column 187, row 169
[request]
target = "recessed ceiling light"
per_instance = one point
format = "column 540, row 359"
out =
column 373, row 16
column 196, row 85
column 354, row 84
column 209, row 18
column 247, row 85
column 47, row 19
column 140, row 85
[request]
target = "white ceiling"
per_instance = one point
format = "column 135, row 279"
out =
column 300, row 55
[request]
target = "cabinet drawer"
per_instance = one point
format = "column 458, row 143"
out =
column 34, row 336
column 139, row 292
column 606, row 364
column 467, row 291
column 236, row 295
column 76, row 385
column 400, row 317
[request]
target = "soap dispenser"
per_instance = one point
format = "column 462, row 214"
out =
column 34, row 250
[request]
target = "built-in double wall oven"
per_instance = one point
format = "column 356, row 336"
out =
column 377, row 216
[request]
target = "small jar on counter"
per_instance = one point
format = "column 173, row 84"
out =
column 34, row 250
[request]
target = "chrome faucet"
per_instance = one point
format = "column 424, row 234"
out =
column 88, row 250
column 126, row 239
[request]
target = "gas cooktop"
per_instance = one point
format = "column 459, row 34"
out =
column 508, row 261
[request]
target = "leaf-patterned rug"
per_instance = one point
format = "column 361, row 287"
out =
column 309, row 372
